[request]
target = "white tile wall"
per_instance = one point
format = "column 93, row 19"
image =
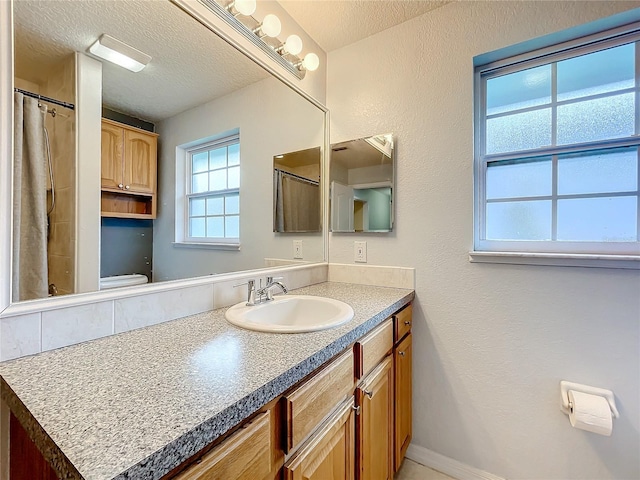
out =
column 68, row 326
column 19, row 336
column 150, row 309
column 381, row 276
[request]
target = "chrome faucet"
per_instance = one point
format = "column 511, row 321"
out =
column 262, row 294
column 267, row 290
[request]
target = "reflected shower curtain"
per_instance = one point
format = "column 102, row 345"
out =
column 30, row 279
column 297, row 204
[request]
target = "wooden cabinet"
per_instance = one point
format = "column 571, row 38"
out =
column 245, row 454
column 308, row 404
column 128, row 166
column 402, row 385
column 374, row 423
column 329, row 428
column 329, row 454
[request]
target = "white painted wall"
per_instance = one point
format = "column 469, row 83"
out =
column 491, row 341
column 272, row 120
column 88, row 148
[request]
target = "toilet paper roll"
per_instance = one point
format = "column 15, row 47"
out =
column 590, row 412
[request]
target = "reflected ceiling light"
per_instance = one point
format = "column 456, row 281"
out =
column 270, row 26
column 120, row 53
column 244, row 7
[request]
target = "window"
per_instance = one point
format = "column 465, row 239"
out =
column 556, row 153
column 213, row 192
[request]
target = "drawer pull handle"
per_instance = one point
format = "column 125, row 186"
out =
column 357, row 409
column 368, row 394
column 120, row 185
column 407, row 322
column 401, row 354
column 127, row 187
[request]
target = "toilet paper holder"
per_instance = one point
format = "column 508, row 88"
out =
column 577, row 387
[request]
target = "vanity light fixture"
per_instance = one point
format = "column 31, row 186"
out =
column 120, row 53
column 244, row 7
column 292, row 45
column 264, row 34
column 270, row 26
column 310, row 62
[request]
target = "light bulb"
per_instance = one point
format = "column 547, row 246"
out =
column 271, row 25
column 245, row 7
column 311, row 62
column 293, row 44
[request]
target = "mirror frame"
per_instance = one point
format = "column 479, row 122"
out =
column 218, row 27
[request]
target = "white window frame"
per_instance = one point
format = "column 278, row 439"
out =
column 184, row 172
column 555, row 253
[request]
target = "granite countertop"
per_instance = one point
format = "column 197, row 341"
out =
column 137, row 404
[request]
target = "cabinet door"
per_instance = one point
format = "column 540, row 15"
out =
column 140, row 158
column 402, row 354
column 329, row 453
column 111, row 158
column 247, row 454
column 374, row 424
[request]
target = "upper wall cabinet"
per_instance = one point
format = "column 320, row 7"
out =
column 129, row 162
column 362, row 184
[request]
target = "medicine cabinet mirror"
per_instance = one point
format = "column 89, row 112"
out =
column 362, row 185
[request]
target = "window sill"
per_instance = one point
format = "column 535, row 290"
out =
column 631, row 262
column 207, row 245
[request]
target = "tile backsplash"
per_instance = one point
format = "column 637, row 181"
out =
column 35, row 332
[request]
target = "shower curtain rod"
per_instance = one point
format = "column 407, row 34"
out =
column 308, row 180
column 70, row 106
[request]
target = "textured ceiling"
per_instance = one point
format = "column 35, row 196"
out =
column 336, row 23
column 190, row 65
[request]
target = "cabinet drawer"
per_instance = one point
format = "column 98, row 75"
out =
column 244, row 455
column 330, row 453
column 402, row 321
column 314, row 400
column 373, row 347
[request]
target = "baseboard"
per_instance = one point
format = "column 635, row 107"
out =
column 446, row 465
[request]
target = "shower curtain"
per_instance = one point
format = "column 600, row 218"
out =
column 30, row 279
column 297, row 205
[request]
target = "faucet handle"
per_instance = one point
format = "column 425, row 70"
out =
column 251, row 291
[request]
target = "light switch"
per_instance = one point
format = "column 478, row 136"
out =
column 297, row 249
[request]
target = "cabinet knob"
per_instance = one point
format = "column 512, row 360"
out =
column 120, row 185
column 401, row 354
column 368, row 393
column 407, row 322
column 127, row 187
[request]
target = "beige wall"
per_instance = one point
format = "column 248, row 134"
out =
column 272, row 119
column 491, row 342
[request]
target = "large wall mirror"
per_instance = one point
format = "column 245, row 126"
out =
column 218, row 120
column 362, row 184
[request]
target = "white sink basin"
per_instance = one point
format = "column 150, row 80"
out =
column 291, row 314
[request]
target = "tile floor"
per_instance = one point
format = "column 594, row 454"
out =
column 414, row 471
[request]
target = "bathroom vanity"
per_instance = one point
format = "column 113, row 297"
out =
column 199, row 398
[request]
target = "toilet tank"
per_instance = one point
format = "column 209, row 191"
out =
column 122, row 281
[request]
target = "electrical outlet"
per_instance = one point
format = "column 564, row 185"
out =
column 297, row 249
column 360, row 252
